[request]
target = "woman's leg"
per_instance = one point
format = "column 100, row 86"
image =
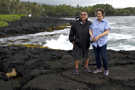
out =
column 103, row 53
column 97, row 56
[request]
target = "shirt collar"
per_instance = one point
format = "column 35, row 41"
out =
column 103, row 20
column 80, row 21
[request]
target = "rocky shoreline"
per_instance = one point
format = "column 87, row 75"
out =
column 33, row 25
column 47, row 69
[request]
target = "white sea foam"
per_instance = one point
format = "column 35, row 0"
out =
column 118, row 36
column 61, row 43
column 123, row 27
column 34, row 36
column 122, row 47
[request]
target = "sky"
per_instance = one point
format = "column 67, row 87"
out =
column 114, row 3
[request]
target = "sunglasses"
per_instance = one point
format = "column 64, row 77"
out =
column 83, row 14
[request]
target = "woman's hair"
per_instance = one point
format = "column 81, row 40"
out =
column 101, row 10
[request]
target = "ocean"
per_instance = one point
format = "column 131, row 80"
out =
column 121, row 37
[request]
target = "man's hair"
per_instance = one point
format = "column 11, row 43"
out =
column 101, row 10
column 84, row 12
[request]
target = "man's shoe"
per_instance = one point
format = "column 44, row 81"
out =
column 76, row 72
column 87, row 70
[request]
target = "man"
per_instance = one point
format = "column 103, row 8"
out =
column 80, row 38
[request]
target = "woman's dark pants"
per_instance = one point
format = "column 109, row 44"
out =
column 101, row 55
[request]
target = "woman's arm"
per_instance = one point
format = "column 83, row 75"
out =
column 91, row 34
column 102, row 34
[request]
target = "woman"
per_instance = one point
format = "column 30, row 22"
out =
column 99, row 31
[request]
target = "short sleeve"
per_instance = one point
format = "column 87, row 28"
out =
column 107, row 26
column 90, row 27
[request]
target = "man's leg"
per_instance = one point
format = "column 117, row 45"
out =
column 76, row 63
column 86, row 63
column 86, row 58
column 86, row 66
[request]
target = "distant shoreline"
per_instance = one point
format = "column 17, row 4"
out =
column 33, row 25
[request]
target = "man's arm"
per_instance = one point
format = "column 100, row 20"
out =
column 72, row 35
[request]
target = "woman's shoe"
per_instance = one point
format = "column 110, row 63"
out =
column 106, row 72
column 97, row 71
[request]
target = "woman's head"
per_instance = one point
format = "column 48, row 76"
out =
column 100, row 13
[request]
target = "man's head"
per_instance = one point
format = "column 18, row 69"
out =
column 100, row 13
column 84, row 16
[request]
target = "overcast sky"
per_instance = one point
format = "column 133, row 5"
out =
column 115, row 3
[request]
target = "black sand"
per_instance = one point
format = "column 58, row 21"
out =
column 46, row 69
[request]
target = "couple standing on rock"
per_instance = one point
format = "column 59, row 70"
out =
column 83, row 33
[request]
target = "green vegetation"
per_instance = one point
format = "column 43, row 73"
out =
column 3, row 24
column 10, row 18
column 26, row 8
column 18, row 7
column 4, row 19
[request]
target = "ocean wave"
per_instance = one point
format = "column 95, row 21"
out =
column 61, row 43
column 116, row 36
column 122, row 47
column 122, row 27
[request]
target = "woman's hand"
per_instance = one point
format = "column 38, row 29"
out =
column 92, row 39
column 96, row 38
column 101, row 35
